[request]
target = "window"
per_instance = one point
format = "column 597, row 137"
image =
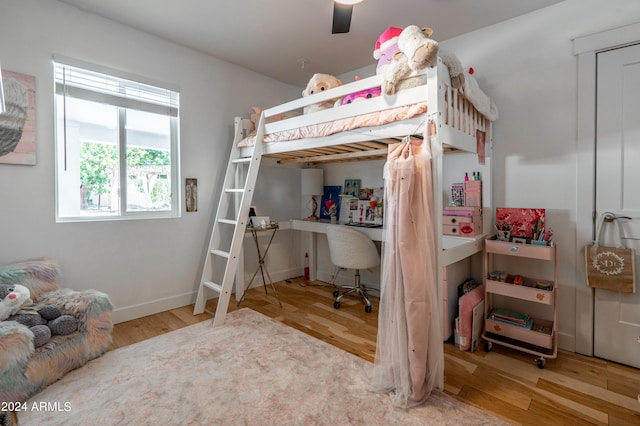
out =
column 116, row 146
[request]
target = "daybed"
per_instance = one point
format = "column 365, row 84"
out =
column 25, row 370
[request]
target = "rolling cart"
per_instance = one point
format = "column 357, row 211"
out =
column 518, row 330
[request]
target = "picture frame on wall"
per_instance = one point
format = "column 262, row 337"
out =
column 351, row 187
column 18, row 122
column 191, row 194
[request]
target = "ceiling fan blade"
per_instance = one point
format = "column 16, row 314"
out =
column 341, row 18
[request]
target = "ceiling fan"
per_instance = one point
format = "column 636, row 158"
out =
column 342, row 10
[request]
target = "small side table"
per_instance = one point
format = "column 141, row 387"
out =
column 262, row 268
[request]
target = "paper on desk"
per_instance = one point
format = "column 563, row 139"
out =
column 348, row 203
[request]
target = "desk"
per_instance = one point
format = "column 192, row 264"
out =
column 314, row 227
column 456, row 262
column 254, row 230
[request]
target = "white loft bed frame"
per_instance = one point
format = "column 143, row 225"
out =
column 455, row 118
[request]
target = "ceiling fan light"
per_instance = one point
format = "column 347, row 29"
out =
column 348, row 2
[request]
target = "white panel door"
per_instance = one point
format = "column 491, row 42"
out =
column 617, row 315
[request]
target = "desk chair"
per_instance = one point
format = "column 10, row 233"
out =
column 351, row 249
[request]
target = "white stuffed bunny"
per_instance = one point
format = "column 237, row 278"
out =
column 15, row 297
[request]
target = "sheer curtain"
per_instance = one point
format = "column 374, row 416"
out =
column 409, row 361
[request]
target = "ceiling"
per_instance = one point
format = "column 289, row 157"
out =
column 289, row 40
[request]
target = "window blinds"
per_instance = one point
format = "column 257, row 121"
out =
column 99, row 87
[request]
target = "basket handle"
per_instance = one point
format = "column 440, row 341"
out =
column 608, row 217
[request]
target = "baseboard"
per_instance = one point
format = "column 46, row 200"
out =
column 153, row 307
column 566, row 342
column 140, row 310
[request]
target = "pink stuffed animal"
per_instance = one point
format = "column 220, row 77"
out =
column 386, row 47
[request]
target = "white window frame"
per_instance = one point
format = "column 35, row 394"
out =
column 166, row 103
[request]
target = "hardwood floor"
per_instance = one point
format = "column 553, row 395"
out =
column 571, row 389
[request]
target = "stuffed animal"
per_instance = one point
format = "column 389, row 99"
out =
column 44, row 321
column 14, row 297
column 319, row 83
column 386, row 47
column 417, row 51
column 360, row 95
column 456, row 71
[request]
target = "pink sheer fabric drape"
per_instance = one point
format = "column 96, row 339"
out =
column 409, row 361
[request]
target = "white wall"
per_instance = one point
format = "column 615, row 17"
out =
column 526, row 64
column 145, row 266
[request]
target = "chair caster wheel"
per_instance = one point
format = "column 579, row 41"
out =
column 336, row 305
column 367, row 309
column 540, row 362
column 488, row 346
column 336, row 293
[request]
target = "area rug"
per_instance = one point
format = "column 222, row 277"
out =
column 251, row 371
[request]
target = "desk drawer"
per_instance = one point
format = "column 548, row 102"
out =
column 462, row 229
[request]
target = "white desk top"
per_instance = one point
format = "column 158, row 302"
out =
column 454, row 248
column 320, row 226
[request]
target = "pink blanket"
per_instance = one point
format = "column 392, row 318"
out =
column 325, row 129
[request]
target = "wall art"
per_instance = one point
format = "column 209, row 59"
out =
column 18, row 122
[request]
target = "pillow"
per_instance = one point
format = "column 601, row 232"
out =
column 465, row 310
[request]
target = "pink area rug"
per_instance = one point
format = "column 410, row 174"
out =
column 251, row 371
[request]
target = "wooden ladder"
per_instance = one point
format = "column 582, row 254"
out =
column 230, row 223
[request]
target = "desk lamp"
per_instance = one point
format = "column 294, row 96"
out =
column 312, row 184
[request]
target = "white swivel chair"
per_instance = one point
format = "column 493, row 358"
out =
column 351, row 249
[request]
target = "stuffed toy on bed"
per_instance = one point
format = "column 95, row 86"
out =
column 317, row 84
column 416, row 52
column 361, row 95
column 386, row 47
column 43, row 320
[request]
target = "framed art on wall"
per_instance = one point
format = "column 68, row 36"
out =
column 191, row 194
column 18, row 122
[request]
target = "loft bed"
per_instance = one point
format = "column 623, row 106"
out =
column 291, row 137
column 362, row 131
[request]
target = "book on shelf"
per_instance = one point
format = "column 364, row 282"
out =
column 511, row 317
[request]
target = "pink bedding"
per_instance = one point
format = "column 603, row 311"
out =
column 329, row 128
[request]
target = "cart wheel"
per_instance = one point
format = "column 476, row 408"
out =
column 367, row 309
column 488, row 346
column 336, row 305
column 540, row 362
column 336, row 293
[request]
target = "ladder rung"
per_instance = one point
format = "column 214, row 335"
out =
column 213, row 286
column 228, row 221
column 241, row 160
column 220, row 253
column 234, row 190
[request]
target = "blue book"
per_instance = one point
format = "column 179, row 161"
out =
column 330, row 205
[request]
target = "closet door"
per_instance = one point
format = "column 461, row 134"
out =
column 617, row 315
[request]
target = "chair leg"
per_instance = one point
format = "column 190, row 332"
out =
column 336, row 288
column 357, row 288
